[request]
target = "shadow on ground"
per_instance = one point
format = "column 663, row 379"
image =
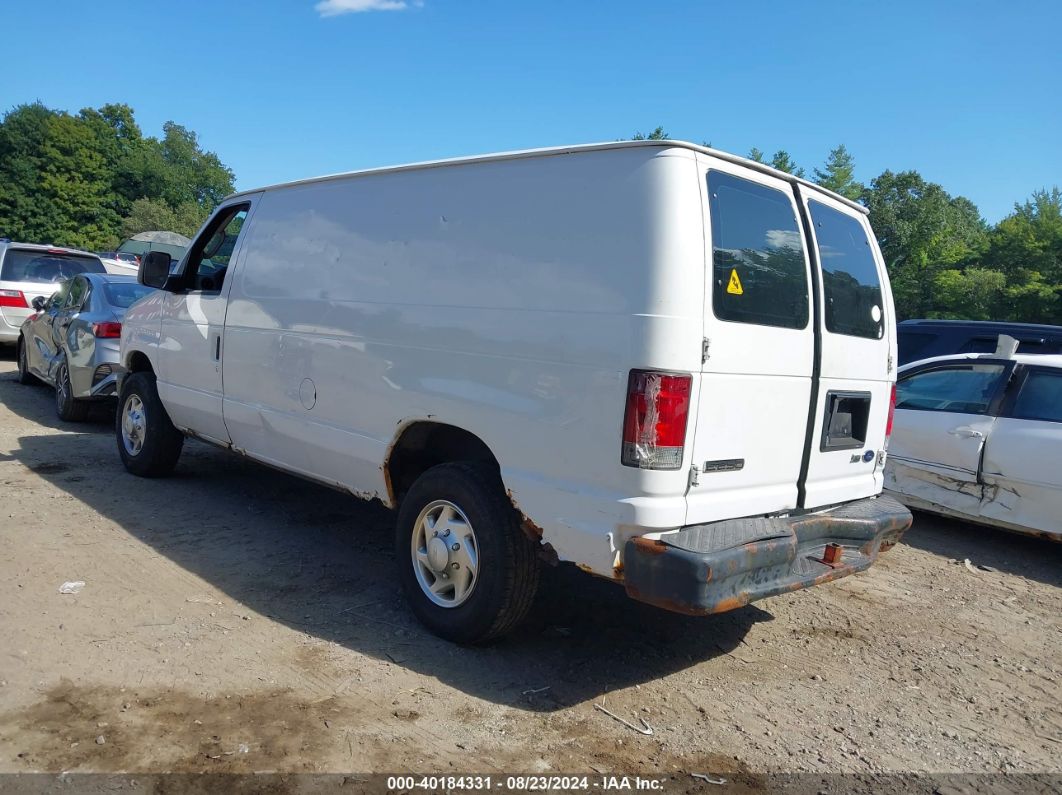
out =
column 1025, row 556
column 320, row 561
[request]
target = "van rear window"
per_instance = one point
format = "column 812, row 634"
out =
column 758, row 269
column 849, row 274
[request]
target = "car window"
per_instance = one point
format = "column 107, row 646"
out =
column 911, row 344
column 24, row 265
column 988, row 345
column 965, row 388
column 850, row 281
column 75, row 296
column 758, row 269
column 123, row 294
column 58, row 297
column 209, row 258
column 1040, row 397
column 978, row 345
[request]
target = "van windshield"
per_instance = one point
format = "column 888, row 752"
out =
column 29, row 265
column 849, row 274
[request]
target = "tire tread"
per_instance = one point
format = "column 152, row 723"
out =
column 518, row 556
column 164, row 442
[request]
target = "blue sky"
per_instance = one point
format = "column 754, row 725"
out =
column 968, row 93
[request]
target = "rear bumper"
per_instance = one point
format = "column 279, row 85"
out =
column 716, row 567
column 8, row 331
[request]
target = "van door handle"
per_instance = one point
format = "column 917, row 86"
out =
column 966, row 432
column 217, row 348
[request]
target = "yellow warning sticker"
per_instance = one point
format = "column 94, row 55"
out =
column 735, row 288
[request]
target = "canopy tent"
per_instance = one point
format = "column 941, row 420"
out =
column 172, row 243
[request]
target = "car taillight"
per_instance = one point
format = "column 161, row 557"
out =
column 654, row 424
column 108, row 330
column 892, row 412
column 13, row 298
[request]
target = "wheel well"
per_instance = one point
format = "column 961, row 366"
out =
column 139, row 361
column 423, row 445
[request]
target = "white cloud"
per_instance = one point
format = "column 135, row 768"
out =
column 783, row 238
column 333, row 8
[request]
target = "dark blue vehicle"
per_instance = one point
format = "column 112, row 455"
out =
column 923, row 339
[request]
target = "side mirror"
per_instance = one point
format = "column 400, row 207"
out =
column 154, row 270
column 39, row 302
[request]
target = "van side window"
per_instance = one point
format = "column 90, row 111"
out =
column 209, row 258
column 849, row 274
column 758, row 270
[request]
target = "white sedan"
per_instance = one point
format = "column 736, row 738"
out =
column 979, row 437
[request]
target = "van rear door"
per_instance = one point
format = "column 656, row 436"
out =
column 755, row 390
column 844, row 458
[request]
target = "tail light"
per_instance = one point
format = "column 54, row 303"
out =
column 13, row 298
column 654, row 424
column 892, row 412
column 107, row 331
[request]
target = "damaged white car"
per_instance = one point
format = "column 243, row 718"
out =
column 979, row 437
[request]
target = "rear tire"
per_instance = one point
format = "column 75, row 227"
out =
column 24, row 375
column 470, row 502
column 69, row 408
column 148, row 443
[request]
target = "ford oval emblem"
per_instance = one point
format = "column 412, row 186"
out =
column 868, row 456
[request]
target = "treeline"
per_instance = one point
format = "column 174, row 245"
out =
column 91, row 179
column 944, row 259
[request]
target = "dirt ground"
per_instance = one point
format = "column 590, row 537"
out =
column 237, row 619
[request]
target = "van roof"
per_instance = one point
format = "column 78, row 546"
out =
column 564, row 150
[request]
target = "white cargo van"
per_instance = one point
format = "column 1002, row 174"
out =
column 668, row 365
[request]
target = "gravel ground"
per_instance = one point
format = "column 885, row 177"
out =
column 236, row 619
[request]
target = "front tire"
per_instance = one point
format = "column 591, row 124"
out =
column 69, row 408
column 24, row 375
column 148, row 443
column 466, row 567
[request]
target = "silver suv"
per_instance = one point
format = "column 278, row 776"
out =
column 28, row 270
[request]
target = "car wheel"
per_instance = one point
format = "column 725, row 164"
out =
column 148, row 443
column 24, row 375
column 67, row 406
column 466, row 567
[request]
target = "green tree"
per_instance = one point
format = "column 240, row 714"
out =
column 56, row 180
column 23, row 207
column 1027, row 247
column 838, row 174
column 970, row 294
column 922, row 231
column 656, row 135
column 783, row 162
column 146, row 215
column 71, row 180
column 756, row 155
column 196, row 175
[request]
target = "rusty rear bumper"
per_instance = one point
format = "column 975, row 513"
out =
column 716, row 567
